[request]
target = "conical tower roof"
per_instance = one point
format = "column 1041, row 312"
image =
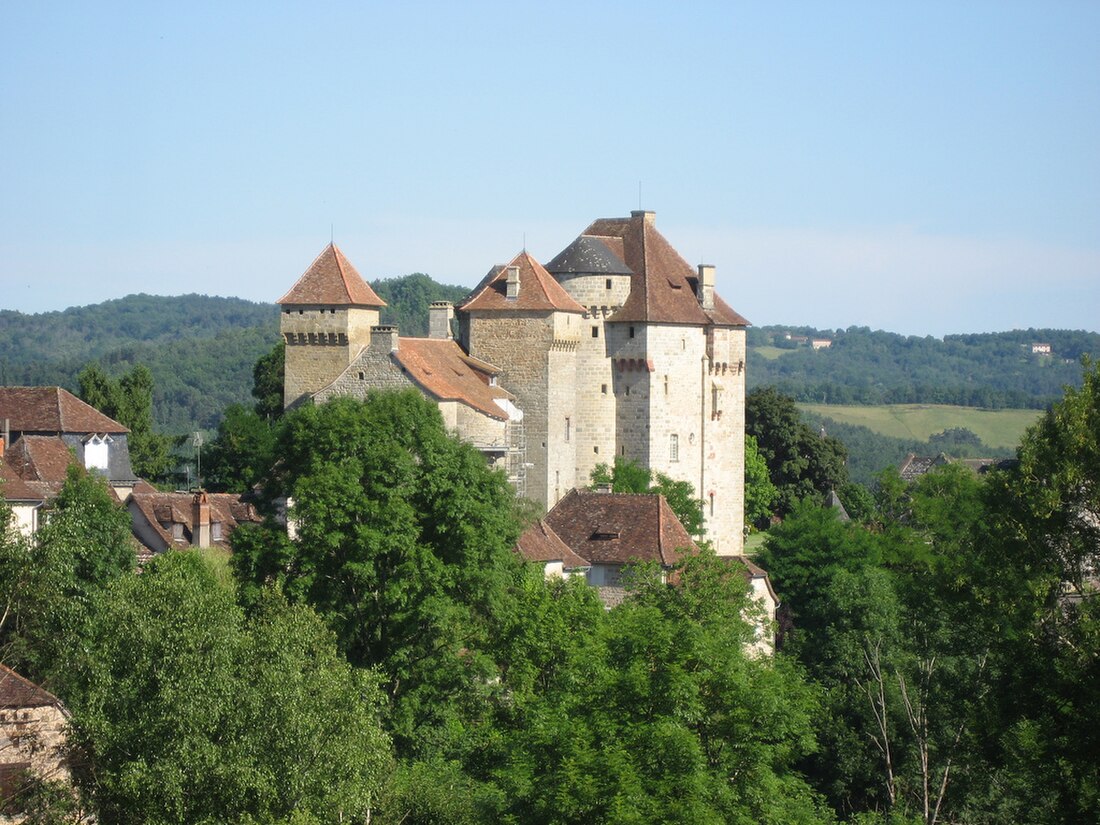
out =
column 331, row 280
column 537, row 289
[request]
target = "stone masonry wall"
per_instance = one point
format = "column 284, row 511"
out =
column 321, row 342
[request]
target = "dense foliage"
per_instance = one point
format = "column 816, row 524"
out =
column 990, row 370
column 407, row 300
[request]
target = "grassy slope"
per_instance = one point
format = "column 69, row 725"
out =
column 997, row 428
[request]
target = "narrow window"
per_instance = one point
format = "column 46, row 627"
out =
column 596, row 450
column 622, row 450
column 673, row 447
column 712, row 505
column 632, row 332
column 666, row 385
column 568, row 428
column 628, row 390
column 362, row 376
column 603, row 388
column 595, row 332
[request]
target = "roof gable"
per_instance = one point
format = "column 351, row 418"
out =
column 52, row 410
column 537, row 290
column 331, row 280
column 618, row 528
column 540, row 543
column 18, row 692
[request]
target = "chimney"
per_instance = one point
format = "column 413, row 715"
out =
column 604, row 487
column 705, row 286
column 513, row 283
column 646, row 215
column 3, row 443
column 384, row 338
column 440, row 314
column 200, row 520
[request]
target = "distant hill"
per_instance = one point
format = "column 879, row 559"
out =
column 860, row 366
column 200, row 349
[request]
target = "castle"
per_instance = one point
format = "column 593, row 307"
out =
column 616, row 347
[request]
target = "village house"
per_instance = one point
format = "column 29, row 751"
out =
column 598, row 534
column 32, row 741
column 616, row 347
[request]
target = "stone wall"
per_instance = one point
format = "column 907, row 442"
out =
column 36, row 736
column 320, row 343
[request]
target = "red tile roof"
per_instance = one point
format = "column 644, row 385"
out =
column 331, row 280
column 52, row 410
column 159, row 509
column 40, row 458
column 537, row 290
column 17, row 692
column 617, row 528
column 14, row 488
column 663, row 285
column 442, row 368
column 539, row 542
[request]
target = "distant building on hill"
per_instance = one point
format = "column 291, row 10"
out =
column 1041, row 349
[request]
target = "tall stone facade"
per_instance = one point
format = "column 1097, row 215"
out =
column 616, row 347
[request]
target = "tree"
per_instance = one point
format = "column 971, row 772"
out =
column 129, row 400
column 801, row 463
column 760, row 493
column 187, row 711
column 242, row 452
column 83, row 545
column 267, row 383
column 403, row 545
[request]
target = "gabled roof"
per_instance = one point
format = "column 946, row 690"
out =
column 331, row 280
column 537, row 290
column 40, row 458
column 445, row 371
column 662, row 288
column 159, row 509
column 539, row 542
column 17, row 692
column 618, row 528
column 52, row 410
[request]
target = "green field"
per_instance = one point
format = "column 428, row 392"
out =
column 997, row 428
column 768, row 353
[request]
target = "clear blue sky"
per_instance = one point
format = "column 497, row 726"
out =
column 923, row 168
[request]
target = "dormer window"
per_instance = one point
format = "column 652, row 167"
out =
column 96, row 452
column 215, row 531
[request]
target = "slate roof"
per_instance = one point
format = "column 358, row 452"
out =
column 442, row 368
column 331, row 280
column 17, row 692
column 663, row 284
column 52, row 410
column 537, row 290
column 539, row 542
column 618, row 528
column 589, row 254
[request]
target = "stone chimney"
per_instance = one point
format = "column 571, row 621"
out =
column 200, row 520
column 384, row 338
column 512, row 283
column 440, row 314
column 3, row 443
column 646, row 215
column 705, row 287
column 604, row 487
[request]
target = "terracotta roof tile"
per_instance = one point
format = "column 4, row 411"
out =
column 617, row 528
column 442, row 368
column 540, row 543
column 14, row 488
column 663, row 284
column 43, row 458
column 159, row 509
column 52, row 410
column 17, row 692
column 331, row 280
column 537, row 290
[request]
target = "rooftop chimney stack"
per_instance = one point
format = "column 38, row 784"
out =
column 384, row 338
column 706, row 286
column 200, row 520
column 513, row 283
column 647, row 215
column 440, row 314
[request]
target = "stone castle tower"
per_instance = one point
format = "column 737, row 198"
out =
column 617, row 347
column 326, row 321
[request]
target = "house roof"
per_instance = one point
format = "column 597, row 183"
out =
column 52, row 410
column 663, row 284
column 540, row 543
column 159, row 509
column 14, row 488
column 444, row 370
column 18, row 692
column 537, row 290
column 617, row 528
column 331, row 280
column 43, row 458
column 753, row 571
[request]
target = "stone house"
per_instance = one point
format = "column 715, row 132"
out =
column 616, row 347
column 166, row 521
column 597, row 534
column 32, row 740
